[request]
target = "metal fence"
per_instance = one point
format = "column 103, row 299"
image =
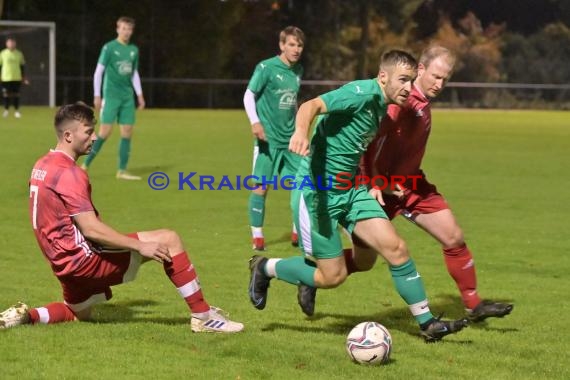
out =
column 228, row 93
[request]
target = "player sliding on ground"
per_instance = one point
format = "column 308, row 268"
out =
column 398, row 150
column 86, row 255
column 349, row 121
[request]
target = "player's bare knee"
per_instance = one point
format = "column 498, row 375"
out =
column 170, row 238
column 333, row 281
column 397, row 252
column 454, row 239
column 126, row 131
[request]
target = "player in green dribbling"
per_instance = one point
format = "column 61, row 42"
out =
column 348, row 121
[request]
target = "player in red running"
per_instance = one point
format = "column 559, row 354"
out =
column 397, row 150
column 86, row 255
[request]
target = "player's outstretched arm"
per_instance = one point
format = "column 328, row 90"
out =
column 299, row 142
column 93, row 229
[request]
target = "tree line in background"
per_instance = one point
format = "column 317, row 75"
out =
column 514, row 41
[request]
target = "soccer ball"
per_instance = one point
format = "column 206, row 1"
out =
column 369, row 343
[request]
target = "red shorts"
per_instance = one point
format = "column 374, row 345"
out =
column 423, row 200
column 91, row 283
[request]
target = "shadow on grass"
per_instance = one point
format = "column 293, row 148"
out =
column 145, row 171
column 133, row 311
column 284, row 238
column 394, row 318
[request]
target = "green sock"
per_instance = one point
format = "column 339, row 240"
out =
column 124, row 152
column 410, row 286
column 256, row 210
column 296, row 270
column 94, row 150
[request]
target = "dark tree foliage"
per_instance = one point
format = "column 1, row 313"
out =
column 496, row 40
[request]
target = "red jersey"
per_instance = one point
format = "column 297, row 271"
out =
column 59, row 189
column 399, row 146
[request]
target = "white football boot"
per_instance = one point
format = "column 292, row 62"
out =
column 216, row 321
column 122, row 174
column 14, row 316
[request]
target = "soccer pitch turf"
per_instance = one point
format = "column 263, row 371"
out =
column 501, row 172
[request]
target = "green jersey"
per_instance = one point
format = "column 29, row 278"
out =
column 276, row 86
column 343, row 133
column 11, row 62
column 120, row 63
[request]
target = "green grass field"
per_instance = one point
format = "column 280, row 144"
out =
column 504, row 173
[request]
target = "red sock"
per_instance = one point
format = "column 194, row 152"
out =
column 53, row 313
column 349, row 260
column 461, row 267
column 182, row 274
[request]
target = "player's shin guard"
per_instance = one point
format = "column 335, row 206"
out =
column 410, row 286
column 124, row 152
column 256, row 209
column 183, row 275
column 94, row 150
column 55, row 312
column 461, row 267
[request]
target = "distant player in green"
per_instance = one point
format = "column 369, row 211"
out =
column 119, row 60
column 349, row 121
column 270, row 102
column 12, row 75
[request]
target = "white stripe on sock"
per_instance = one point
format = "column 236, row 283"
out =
column 44, row 314
column 189, row 289
column 270, row 267
column 257, row 232
column 419, row 308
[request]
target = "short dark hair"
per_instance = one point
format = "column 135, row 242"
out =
column 292, row 31
column 396, row 57
column 126, row 20
column 78, row 111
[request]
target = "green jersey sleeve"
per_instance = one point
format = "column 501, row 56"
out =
column 136, row 60
column 259, row 78
column 104, row 56
column 346, row 99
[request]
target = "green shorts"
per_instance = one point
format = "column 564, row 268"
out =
column 273, row 162
column 317, row 215
column 121, row 110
